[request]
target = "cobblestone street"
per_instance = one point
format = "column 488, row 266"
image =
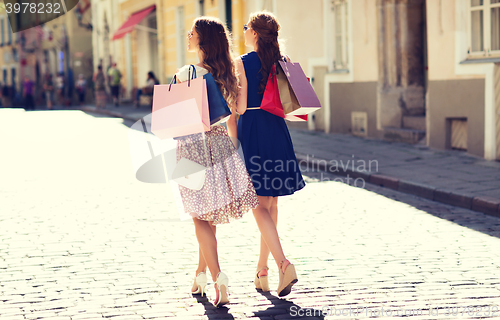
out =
column 81, row 238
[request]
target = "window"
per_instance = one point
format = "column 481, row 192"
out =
column 2, row 31
column 225, row 8
column 60, row 55
column 9, row 33
column 229, row 15
column 268, row 5
column 201, row 7
column 337, row 35
column 181, row 37
column 13, row 75
column 484, row 22
column 153, row 42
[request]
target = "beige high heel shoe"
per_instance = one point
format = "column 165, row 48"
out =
column 221, row 284
column 261, row 282
column 287, row 279
column 200, row 282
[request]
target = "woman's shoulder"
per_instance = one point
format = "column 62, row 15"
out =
column 249, row 55
column 250, row 59
column 183, row 72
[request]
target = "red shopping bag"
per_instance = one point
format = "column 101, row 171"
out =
column 180, row 109
column 271, row 100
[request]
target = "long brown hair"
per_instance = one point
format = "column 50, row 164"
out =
column 266, row 26
column 215, row 43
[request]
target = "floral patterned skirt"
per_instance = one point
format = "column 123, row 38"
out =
column 228, row 191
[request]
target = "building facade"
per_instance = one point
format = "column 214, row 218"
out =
column 412, row 70
column 416, row 71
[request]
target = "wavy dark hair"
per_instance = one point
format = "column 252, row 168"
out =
column 266, row 26
column 215, row 44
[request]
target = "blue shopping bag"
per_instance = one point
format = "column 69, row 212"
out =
column 217, row 106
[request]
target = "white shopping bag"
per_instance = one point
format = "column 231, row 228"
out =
column 189, row 174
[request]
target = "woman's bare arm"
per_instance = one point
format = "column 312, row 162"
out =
column 232, row 127
column 241, row 102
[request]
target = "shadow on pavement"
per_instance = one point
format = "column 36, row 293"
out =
column 211, row 311
column 283, row 308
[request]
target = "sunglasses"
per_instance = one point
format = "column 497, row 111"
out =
column 245, row 28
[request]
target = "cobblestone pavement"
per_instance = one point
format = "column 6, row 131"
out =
column 446, row 176
column 80, row 238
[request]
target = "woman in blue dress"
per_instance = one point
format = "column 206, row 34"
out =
column 267, row 146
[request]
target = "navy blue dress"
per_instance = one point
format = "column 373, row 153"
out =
column 265, row 141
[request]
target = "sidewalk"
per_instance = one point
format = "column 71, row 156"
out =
column 446, row 176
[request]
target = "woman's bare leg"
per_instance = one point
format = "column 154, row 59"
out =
column 208, row 245
column 264, row 249
column 268, row 229
column 202, row 264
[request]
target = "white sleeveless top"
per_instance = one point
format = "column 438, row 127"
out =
column 182, row 74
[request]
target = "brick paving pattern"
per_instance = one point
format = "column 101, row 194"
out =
column 80, row 238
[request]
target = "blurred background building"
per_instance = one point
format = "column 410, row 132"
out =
column 67, row 47
column 9, row 60
column 62, row 45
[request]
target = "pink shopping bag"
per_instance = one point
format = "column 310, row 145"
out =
column 302, row 88
column 180, row 109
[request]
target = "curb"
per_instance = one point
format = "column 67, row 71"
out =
column 486, row 205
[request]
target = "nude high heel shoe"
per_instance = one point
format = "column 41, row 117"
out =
column 287, row 279
column 221, row 284
column 261, row 282
column 200, row 282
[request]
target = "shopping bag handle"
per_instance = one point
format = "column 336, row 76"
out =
column 190, row 77
column 174, row 81
column 276, row 65
column 189, row 73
